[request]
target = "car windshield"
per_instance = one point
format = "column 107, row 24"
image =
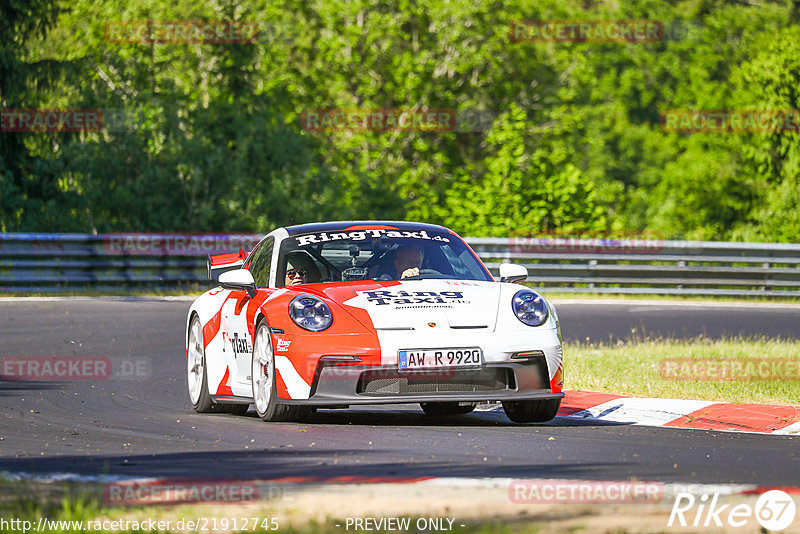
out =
column 376, row 255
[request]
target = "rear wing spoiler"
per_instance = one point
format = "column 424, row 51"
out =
column 220, row 263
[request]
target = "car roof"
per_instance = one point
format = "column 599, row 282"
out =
column 343, row 226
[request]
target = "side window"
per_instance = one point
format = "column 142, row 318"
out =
column 260, row 262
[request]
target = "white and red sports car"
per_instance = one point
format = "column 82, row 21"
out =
column 351, row 313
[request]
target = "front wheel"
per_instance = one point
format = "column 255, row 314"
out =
column 446, row 408
column 263, row 379
column 536, row 411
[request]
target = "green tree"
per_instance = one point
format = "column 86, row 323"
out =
column 529, row 186
column 29, row 187
column 773, row 77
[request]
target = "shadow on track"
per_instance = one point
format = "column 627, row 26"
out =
column 19, row 387
column 416, row 418
column 301, row 464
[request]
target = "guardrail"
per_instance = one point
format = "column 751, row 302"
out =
column 121, row 262
column 45, row 263
column 639, row 266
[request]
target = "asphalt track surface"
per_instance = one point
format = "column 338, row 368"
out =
column 145, row 427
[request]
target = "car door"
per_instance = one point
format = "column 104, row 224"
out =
column 238, row 341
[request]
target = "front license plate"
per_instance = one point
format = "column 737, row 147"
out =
column 430, row 358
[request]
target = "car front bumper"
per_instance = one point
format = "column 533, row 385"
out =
column 336, row 384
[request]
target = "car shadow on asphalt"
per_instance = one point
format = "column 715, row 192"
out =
column 415, row 417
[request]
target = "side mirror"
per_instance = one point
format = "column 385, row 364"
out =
column 238, row 280
column 513, row 273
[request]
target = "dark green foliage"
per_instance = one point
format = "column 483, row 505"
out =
column 576, row 146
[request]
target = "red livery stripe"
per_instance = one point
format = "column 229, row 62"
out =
column 211, row 328
column 281, row 391
column 224, row 387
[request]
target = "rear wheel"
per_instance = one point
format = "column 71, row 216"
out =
column 196, row 369
column 536, row 411
column 196, row 376
column 263, row 380
column 446, row 408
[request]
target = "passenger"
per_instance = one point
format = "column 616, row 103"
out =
column 300, row 269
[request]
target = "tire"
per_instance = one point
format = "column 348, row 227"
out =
column 262, row 366
column 445, row 408
column 537, row 411
column 196, row 379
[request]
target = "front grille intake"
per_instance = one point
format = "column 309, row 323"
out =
column 389, row 382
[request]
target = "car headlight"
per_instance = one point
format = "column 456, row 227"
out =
column 529, row 307
column 310, row 313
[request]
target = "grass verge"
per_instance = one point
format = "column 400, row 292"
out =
column 326, row 509
column 81, row 512
column 636, row 367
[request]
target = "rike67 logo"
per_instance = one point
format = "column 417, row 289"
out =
column 774, row 510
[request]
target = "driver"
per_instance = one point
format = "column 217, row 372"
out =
column 406, row 262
